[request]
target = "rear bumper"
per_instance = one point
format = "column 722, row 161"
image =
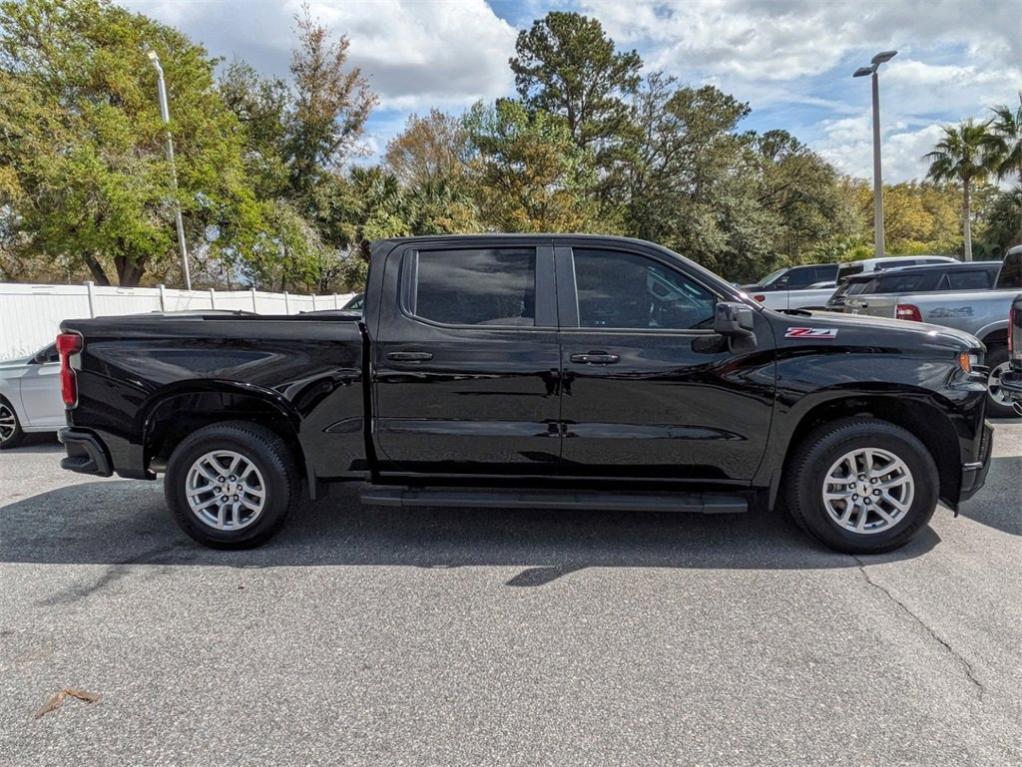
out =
column 1011, row 384
column 974, row 475
column 86, row 454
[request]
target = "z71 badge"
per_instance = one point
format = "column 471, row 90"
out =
column 826, row 333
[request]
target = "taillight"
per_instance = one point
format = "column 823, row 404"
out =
column 908, row 312
column 761, row 298
column 68, row 344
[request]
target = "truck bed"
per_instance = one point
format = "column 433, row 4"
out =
column 139, row 372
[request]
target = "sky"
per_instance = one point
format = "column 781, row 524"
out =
column 791, row 60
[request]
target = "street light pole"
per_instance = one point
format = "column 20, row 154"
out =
column 165, row 114
column 878, row 187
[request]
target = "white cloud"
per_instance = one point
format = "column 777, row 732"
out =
column 415, row 54
column 785, row 39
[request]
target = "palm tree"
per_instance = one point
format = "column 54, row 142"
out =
column 1006, row 140
column 1006, row 146
column 962, row 155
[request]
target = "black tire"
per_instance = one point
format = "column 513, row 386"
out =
column 263, row 449
column 997, row 356
column 15, row 437
column 817, row 453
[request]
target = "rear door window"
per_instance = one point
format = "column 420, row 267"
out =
column 968, row 280
column 800, row 278
column 487, row 286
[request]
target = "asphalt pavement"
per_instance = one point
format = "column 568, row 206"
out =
column 459, row 637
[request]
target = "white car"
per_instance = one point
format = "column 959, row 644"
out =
column 30, row 398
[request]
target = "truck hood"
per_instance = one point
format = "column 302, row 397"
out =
column 853, row 329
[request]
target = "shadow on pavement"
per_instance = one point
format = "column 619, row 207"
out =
column 125, row 522
column 42, row 442
column 999, row 503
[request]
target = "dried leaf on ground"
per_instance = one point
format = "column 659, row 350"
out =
column 57, row 700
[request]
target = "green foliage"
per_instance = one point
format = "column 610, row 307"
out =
column 80, row 128
column 567, row 66
column 528, row 173
column 273, row 194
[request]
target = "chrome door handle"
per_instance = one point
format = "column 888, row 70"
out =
column 595, row 358
column 410, row 356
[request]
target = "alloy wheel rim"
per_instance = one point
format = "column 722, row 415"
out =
column 868, row 490
column 8, row 423
column 225, row 490
column 994, row 387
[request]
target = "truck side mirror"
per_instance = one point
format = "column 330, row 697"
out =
column 735, row 322
column 733, row 319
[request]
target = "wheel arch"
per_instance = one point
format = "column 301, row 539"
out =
column 178, row 411
column 923, row 419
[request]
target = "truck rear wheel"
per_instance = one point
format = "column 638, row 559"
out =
column 861, row 485
column 998, row 404
column 231, row 485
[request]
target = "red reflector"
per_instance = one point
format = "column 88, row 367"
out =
column 908, row 312
column 68, row 344
column 760, row 298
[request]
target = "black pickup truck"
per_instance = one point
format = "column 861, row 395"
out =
column 544, row 371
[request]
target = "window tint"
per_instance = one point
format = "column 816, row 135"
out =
column 801, row 278
column 856, row 287
column 977, row 280
column 623, row 290
column 901, row 283
column 493, row 286
column 1011, row 272
column 825, row 274
column 848, row 270
column 48, row 355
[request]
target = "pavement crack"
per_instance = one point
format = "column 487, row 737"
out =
column 966, row 666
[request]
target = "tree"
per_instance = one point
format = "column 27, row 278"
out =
column 300, row 136
column 800, row 188
column 1005, row 140
column 567, row 66
column 81, row 141
column 330, row 108
column 528, row 175
column 962, row 156
column 429, row 150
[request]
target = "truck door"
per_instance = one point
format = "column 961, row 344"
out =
column 466, row 365
column 649, row 388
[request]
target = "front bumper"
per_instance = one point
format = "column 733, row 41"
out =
column 974, row 475
column 86, row 454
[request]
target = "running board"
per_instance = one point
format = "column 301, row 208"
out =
column 694, row 503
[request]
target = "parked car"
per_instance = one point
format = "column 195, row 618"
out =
column 30, row 396
column 355, row 304
column 981, row 312
column 795, row 287
column 851, row 268
column 857, row 293
column 538, row 371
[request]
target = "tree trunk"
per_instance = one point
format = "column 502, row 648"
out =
column 129, row 271
column 96, row 268
column 967, row 210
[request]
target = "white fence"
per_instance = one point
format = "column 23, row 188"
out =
column 30, row 315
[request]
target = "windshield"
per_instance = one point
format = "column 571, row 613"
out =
column 770, row 278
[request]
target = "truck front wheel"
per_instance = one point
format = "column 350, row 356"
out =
column 861, row 485
column 998, row 405
column 231, row 485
